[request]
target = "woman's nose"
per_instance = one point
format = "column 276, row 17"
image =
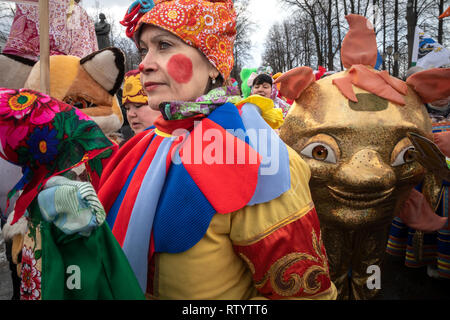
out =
column 148, row 63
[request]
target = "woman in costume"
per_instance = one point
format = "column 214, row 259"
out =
column 67, row 251
column 200, row 206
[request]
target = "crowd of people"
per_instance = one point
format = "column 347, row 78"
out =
column 187, row 205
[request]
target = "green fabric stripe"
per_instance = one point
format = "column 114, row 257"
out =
column 104, row 269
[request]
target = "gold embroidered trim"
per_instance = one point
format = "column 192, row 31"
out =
column 308, row 281
column 277, row 226
column 251, row 266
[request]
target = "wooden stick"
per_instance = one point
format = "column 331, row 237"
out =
column 44, row 42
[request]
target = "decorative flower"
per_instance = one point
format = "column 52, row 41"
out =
column 15, row 104
column 12, row 135
column 81, row 114
column 19, row 103
column 173, row 17
column 30, row 288
column 43, row 144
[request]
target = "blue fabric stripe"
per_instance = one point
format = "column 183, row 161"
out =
column 227, row 116
column 274, row 174
column 183, row 213
column 137, row 239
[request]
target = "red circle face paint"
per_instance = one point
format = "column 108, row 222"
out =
column 141, row 67
column 179, row 68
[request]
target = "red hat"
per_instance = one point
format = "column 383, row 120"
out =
column 207, row 25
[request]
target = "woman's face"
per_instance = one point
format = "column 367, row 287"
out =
column 171, row 69
column 140, row 116
column 264, row 89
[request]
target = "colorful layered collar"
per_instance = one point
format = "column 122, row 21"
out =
column 204, row 105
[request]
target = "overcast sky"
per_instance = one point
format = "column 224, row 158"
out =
column 264, row 14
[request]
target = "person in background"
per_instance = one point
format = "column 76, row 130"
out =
column 262, row 85
column 418, row 248
column 72, row 31
column 134, row 100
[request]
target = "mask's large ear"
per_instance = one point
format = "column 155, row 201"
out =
column 431, row 84
column 359, row 45
column 295, row 81
column 107, row 67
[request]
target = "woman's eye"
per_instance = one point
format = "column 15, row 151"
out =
column 164, row 45
column 319, row 151
column 405, row 156
column 143, row 52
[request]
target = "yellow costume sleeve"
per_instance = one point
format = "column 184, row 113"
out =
column 272, row 115
column 281, row 239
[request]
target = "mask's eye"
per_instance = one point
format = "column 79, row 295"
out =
column 406, row 155
column 79, row 102
column 319, row 151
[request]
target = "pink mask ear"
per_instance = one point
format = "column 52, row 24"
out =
column 431, row 84
column 295, row 81
column 359, row 45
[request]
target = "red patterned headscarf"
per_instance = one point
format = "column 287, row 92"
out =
column 208, row 25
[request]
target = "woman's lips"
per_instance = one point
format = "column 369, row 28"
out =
column 149, row 86
column 360, row 199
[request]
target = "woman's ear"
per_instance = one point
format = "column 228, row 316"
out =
column 213, row 72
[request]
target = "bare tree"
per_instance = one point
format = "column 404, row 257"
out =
column 7, row 12
column 242, row 45
column 316, row 36
column 441, row 22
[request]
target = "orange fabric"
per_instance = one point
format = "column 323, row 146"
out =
column 295, row 81
column 209, row 26
column 446, row 13
column 417, row 214
column 395, row 83
column 442, row 140
column 432, row 84
column 359, row 45
column 378, row 83
column 345, row 86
